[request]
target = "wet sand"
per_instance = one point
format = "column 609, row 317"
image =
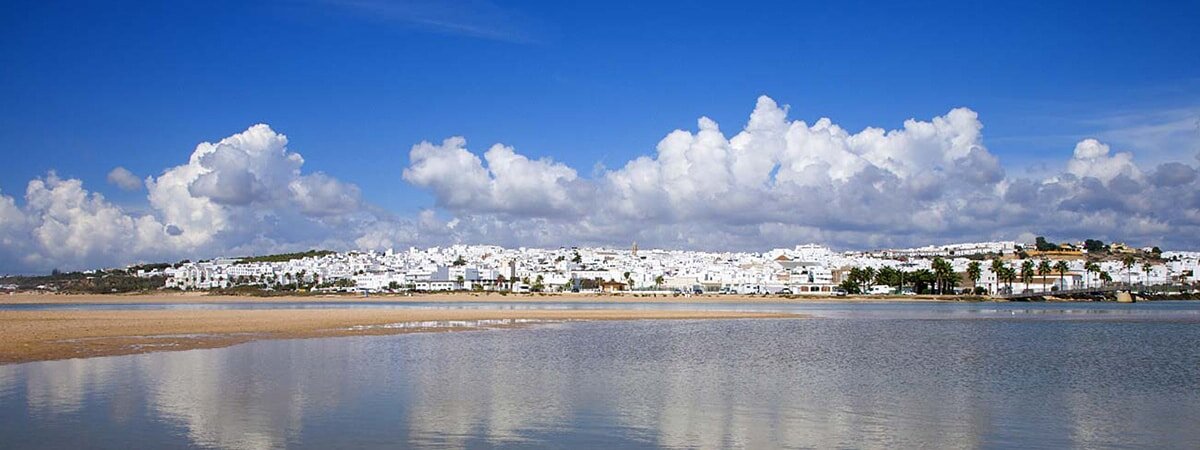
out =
column 455, row 297
column 46, row 335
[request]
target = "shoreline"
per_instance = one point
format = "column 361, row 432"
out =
column 30, row 336
column 456, row 297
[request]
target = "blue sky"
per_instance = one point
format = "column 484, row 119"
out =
column 88, row 86
column 95, row 84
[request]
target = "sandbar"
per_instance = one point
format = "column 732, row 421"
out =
column 27, row 336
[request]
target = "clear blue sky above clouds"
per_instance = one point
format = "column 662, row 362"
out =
column 88, row 86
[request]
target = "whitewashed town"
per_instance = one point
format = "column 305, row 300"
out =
column 987, row 268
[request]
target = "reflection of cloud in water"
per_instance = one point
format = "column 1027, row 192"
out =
column 249, row 396
column 57, row 387
column 1111, row 397
column 742, row 395
column 756, row 384
column 663, row 388
column 457, row 395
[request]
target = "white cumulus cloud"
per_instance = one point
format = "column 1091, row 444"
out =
column 510, row 183
column 124, row 179
column 63, row 224
column 243, row 194
column 778, row 181
column 775, row 181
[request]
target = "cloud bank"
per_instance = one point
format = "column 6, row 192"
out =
column 776, row 182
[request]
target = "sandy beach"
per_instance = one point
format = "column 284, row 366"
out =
column 449, row 297
column 47, row 335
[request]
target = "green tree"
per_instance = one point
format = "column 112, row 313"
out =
column 850, row 286
column 1146, row 269
column 998, row 269
column 1061, row 268
column 1027, row 272
column 859, row 278
column 1128, row 261
column 1089, row 267
column 943, row 274
column 855, row 275
column 974, row 272
column 868, row 276
column 889, row 276
column 1009, row 275
column 923, row 280
column 1043, row 245
column 1044, row 269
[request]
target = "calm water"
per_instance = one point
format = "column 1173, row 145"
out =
column 882, row 376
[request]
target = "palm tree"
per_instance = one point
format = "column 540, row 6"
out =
column 1146, row 269
column 889, row 276
column 658, row 281
column 942, row 271
column 922, row 279
column 1127, row 261
column 1089, row 267
column 1027, row 272
column 974, row 271
column 1105, row 278
column 868, row 275
column 1008, row 274
column 1044, row 269
column 1061, row 268
column 949, row 278
column 997, row 268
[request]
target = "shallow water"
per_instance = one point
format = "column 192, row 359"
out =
column 881, row 376
column 824, row 308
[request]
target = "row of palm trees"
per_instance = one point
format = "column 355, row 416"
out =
column 1028, row 269
column 1128, row 262
column 1043, row 268
column 286, row 279
column 939, row 279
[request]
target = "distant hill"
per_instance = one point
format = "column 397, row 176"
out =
column 284, row 257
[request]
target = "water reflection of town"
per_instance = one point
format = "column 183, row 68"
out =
column 515, row 387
